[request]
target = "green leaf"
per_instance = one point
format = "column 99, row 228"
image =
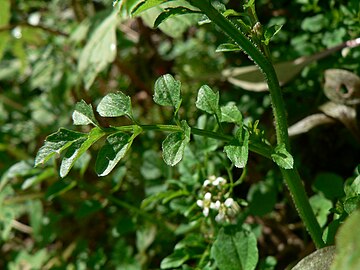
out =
column 115, row 105
column 84, row 114
column 167, row 91
column 112, row 152
column 175, row 260
column 56, row 143
column 43, row 175
column 348, row 244
column 169, row 12
column 235, row 249
column 100, row 50
column 321, row 207
column 228, row 47
column 238, row 152
column 282, row 157
column 230, row 113
column 174, row 145
column 270, row 33
column 78, row 148
column 208, row 101
column 145, row 5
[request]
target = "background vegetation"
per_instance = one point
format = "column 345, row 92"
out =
column 55, row 53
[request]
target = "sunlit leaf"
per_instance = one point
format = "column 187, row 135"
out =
column 238, row 152
column 112, row 152
column 167, row 91
column 208, row 101
column 175, row 260
column 77, row 149
column 84, row 114
column 145, row 5
column 282, row 157
column 56, row 143
column 230, row 113
column 174, row 145
column 114, row 105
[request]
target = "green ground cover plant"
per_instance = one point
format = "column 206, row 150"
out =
column 155, row 134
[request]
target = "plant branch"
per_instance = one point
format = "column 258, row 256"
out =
column 291, row 177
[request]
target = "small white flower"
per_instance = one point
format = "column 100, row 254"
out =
column 229, row 202
column 200, row 203
column 205, row 204
column 206, row 211
column 206, row 182
column 219, row 181
column 207, row 196
column 215, row 205
column 220, row 217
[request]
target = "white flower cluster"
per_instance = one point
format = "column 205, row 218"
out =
column 214, row 198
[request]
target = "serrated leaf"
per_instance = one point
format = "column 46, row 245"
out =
column 174, row 145
column 167, row 91
column 208, row 101
column 228, row 47
column 282, row 157
column 115, row 105
column 112, row 152
column 100, row 50
column 169, row 12
column 78, row 148
column 145, row 5
column 56, row 143
column 230, row 113
column 84, row 114
column 238, row 152
column 235, row 249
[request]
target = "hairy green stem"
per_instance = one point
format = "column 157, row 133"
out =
column 291, row 177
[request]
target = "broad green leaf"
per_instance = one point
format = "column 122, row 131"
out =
column 145, row 5
column 100, row 50
column 175, row 260
column 112, row 152
column 174, row 145
column 167, row 91
column 348, row 244
column 56, row 143
column 230, row 113
column 114, row 105
column 282, row 157
column 84, row 114
column 169, row 12
column 238, row 152
column 228, row 47
column 235, row 249
column 77, row 149
column 208, row 101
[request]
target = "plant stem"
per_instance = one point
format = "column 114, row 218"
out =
column 291, row 177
